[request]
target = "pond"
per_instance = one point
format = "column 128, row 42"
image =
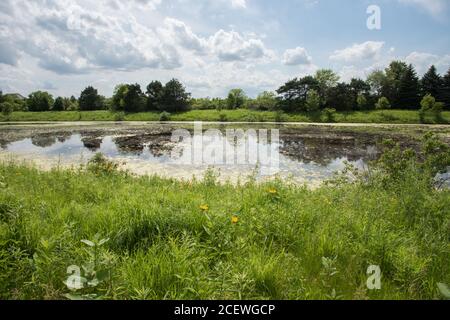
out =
column 306, row 154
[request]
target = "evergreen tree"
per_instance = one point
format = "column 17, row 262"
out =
column 445, row 90
column 431, row 83
column 409, row 90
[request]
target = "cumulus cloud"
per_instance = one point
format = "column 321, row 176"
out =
column 239, row 4
column 297, row 56
column 68, row 38
column 180, row 33
column 422, row 61
column 364, row 51
column 118, row 5
column 232, row 46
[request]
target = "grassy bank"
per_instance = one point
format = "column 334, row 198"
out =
column 386, row 116
column 201, row 240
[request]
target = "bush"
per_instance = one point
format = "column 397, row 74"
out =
column 279, row 116
column 383, row 104
column 430, row 105
column 222, row 117
column 119, row 116
column 99, row 164
column 6, row 108
column 164, row 116
column 330, row 114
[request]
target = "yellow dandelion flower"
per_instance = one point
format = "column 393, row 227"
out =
column 272, row 191
column 204, row 207
column 234, row 219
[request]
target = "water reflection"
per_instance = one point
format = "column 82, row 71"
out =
column 309, row 157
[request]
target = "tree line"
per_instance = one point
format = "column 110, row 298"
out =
column 398, row 86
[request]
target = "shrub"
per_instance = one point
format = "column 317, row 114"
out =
column 429, row 104
column 119, row 116
column 383, row 104
column 6, row 108
column 279, row 116
column 164, row 116
column 99, row 164
column 222, row 117
column 329, row 114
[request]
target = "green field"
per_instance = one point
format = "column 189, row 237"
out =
column 171, row 239
column 385, row 116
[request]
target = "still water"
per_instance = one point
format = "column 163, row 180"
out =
column 303, row 156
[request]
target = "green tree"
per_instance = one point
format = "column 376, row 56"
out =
column 58, row 105
column 293, row 93
column 430, row 105
column 361, row 101
column 236, row 98
column 394, row 76
column 134, row 99
column 313, row 101
column 377, row 80
column 341, row 97
column 155, row 92
column 383, row 104
column 326, row 80
column 265, row 101
column 6, row 108
column 118, row 101
column 90, row 100
column 40, row 101
column 445, row 90
column 128, row 98
column 360, row 90
column 409, row 90
column 175, row 97
column 431, row 83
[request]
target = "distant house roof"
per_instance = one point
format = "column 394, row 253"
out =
column 16, row 96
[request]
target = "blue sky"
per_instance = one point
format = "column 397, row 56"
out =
column 211, row 45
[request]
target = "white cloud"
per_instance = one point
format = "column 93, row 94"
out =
column 364, row 51
column 239, row 4
column 183, row 35
column 232, row 46
column 119, row 5
column 69, row 38
column 422, row 61
column 297, row 56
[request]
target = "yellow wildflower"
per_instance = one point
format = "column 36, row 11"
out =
column 272, row 191
column 234, row 219
column 204, row 207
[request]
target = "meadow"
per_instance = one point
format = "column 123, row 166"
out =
column 152, row 238
column 238, row 115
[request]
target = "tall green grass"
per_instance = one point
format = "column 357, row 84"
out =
column 172, row 239
column 240, row 115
